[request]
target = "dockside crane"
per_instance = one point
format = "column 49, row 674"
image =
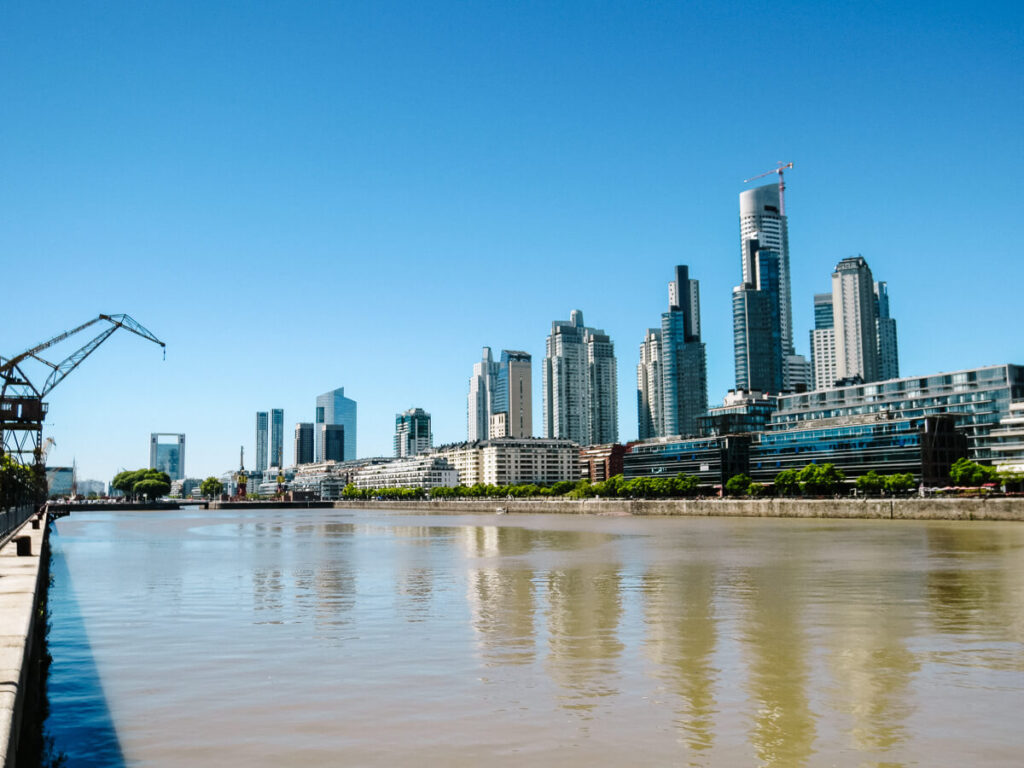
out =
column 22, row 410
column 782, row 184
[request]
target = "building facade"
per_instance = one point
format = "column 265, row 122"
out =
column 599, row 462
column 513, row 461
column 262, row 439
column 580, row 385
column 304, row 442
column 649, row 400
column 334, row 408
column 500, row 396
column 412, row 433
column 412, row 472
column 331, row 440
column 479, row 405
column 167, row 454
column 888, row 348
column 684, row 381
column 853, row 315
column 757, row 325
column 823, row 342
column 1007, row 442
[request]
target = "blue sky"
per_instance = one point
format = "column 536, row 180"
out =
column 300, row 196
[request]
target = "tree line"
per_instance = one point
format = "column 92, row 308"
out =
column 20, row 484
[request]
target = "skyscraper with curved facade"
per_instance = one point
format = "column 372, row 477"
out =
column 334, row 408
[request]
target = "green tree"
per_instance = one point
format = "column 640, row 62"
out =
column 737, row 485
column 901, row 482
column 820, row 480
column 870, row 484
column 787, row 483
column 211, row 487
column 685, row 485
column 18, row 483
column 967, row 472
column 755, row 489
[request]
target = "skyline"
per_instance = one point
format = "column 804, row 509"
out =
column 288, row 227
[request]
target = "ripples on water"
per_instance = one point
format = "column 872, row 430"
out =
column 336, row 638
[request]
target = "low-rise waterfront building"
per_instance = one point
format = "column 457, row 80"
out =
column 599, row 462
column 712, row 460
column 740, row 413
column 1007, row 442
column 513, row 461
column 414, row 472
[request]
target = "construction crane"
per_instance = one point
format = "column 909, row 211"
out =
column 782, row 184
column 22, row 410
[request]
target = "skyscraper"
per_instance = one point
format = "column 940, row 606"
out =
column 304, row 443
column 683, row 357
column 412, row 433
column 334, row 408
column 262, row 439
column 823, row 342
column 580, row 388
column 167, row 454
column 761, row 219
column 853, row 310
column 331, row 439
column 649, row 404
column 888, row 350
column 276, row 437
column 481, row 395
column 757, row 328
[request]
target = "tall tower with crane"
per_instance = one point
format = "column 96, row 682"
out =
column 763, row 219
column 22, row 410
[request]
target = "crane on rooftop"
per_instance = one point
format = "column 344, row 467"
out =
column 782, row 184
column 22, row 410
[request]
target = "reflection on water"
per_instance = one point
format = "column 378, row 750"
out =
column 327, row 637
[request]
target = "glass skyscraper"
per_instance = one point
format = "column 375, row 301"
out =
column 276, row 437
column 262, row 439
column 412, row 433
column 167, row 455
column 500, row 401
column 304, row 443
column 334, row 408
column 757, row 326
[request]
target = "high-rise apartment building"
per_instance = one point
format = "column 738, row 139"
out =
column 277, row 437
column 580, row 388
column 262, row 439
column 761, row 219
column 334, row 408
column 888, row 350
column 853, row 313
column 823, row 342
column 757, row 322
column 684, row 380
column 412, row 433
column 167, row 453
column 500, row 401
column 649, row 403
column 304, row 443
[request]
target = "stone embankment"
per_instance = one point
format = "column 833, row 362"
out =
column 1002, row 508
column 22, row 589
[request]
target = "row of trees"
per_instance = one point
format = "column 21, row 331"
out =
column 149, row 484
column 20, row 483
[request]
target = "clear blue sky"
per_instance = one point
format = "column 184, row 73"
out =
column 300, row 196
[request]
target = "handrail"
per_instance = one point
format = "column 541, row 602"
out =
column 12, row 519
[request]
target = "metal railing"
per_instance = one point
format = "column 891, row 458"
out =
column 12, row 519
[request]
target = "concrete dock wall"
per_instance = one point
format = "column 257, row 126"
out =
column 23, row 582
column 877, row 509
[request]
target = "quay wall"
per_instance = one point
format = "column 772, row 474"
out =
column 23, row 584
column 877, row 509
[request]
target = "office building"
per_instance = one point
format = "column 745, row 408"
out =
column 888, row 349
column 580, row 388
column 331, row 441
column 167, row 454
column 412, row 433
column 756, row 318
column 853, row 316
column 649, row 401
column 334, row 408
column 979, row 398
column 500, row 396
column 1007, row 442
column 684, row 381
column 276, row 437
column 304, row 443
column 740, row 413
column 762, row 220
column 262, row 440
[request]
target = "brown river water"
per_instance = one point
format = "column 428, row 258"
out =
column 335, row 637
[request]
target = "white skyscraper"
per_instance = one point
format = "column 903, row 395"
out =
column 482, row 384
column 649, row 405
column 853, row 309
column 580, row 388
column 500, row 401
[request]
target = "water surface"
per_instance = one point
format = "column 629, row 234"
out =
column 333, row 637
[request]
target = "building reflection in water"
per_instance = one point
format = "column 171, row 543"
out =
column 681, row 639
column 501, row 594
column 774, row 642
column 584, row 610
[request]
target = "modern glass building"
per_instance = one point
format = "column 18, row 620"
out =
column 683, row 358
column 304, row 443
column 979, row 398
column 712, row 460
column 412, row 433
column 262, row 439
column 276, row 437
column 331, row 439
column 649, row 401
column 888, row 349
column 167, row 453
column 334, row 408
column 480, row 401
column 513, row 394
column 757, row 330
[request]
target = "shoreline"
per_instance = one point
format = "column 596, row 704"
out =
column 1002, row 509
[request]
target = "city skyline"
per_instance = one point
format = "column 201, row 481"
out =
column 530, row 172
